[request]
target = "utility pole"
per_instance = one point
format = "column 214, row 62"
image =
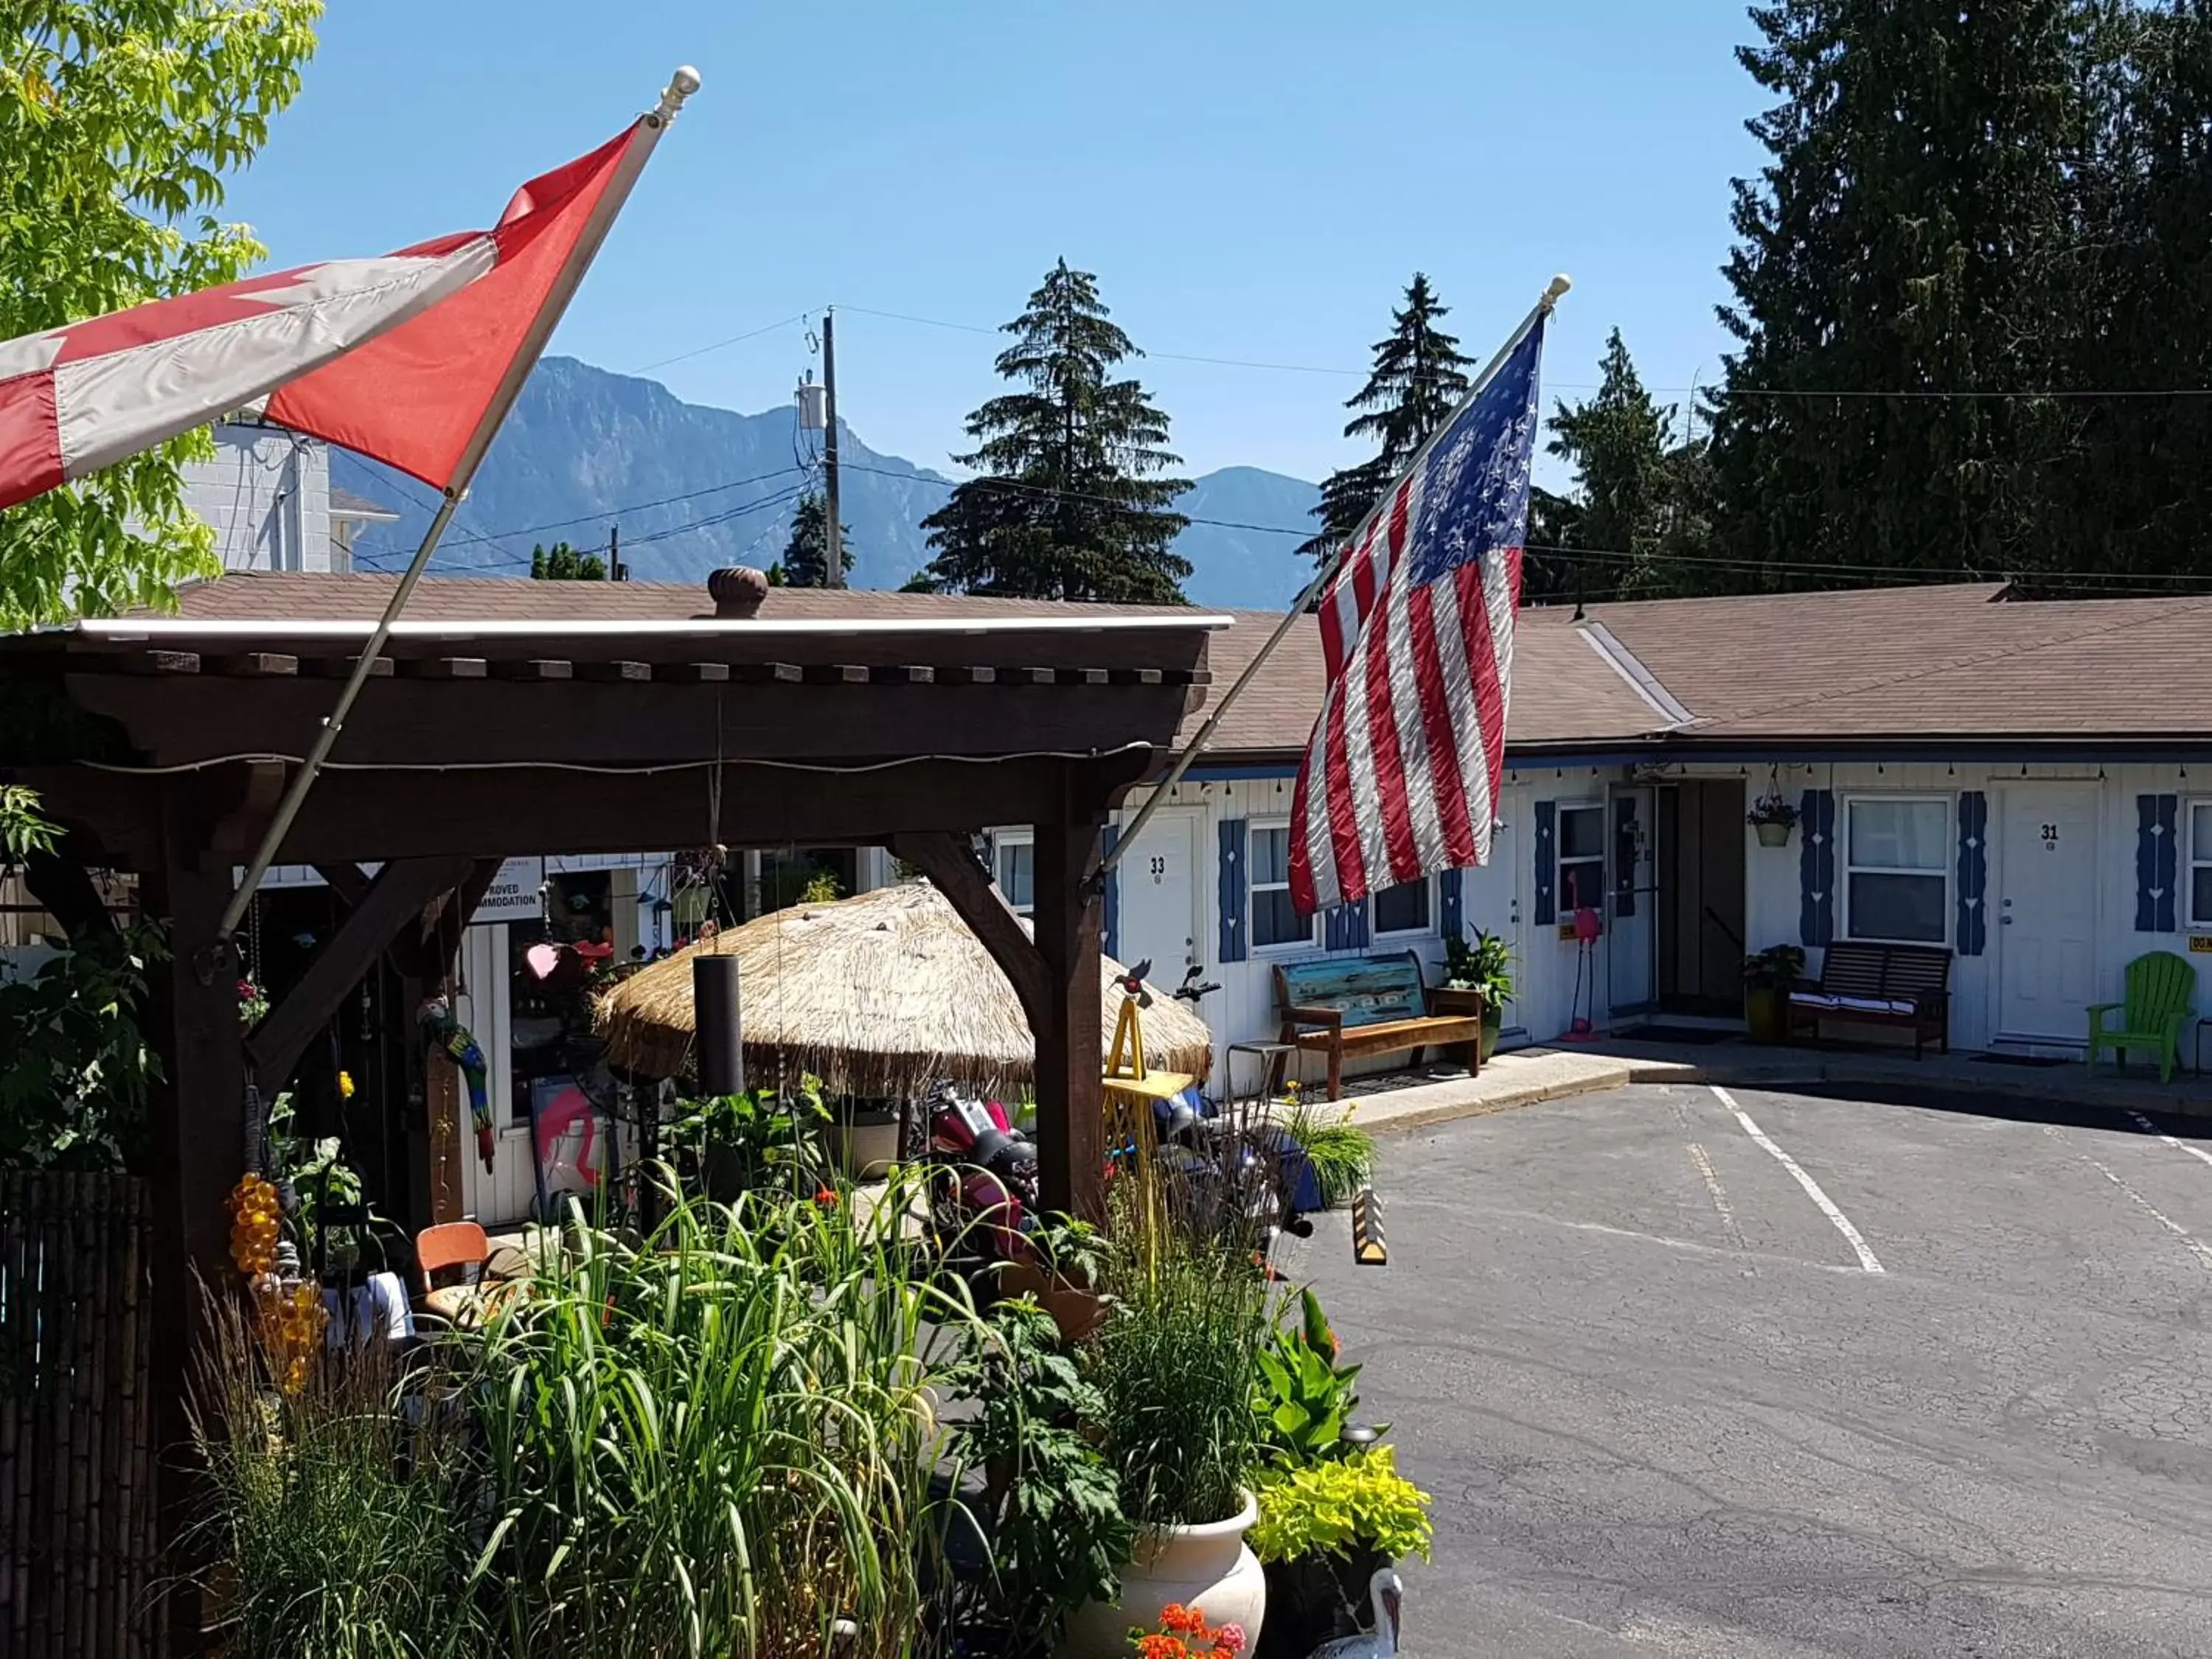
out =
column 615, row 571
column 833, row 573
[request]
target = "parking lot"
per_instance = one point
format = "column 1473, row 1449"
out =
column 1746, row 1373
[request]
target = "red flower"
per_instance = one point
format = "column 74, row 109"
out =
column 1184, row 1621
column 1162, row 1647
column 826, row 1197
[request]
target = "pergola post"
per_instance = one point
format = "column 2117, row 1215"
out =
column 195, row 1134
column 1068, row 917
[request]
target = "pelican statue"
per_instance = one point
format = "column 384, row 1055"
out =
column 1388, row 1591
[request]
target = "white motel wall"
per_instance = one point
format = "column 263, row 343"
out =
column 2045, row 880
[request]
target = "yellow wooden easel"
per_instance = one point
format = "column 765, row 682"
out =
column 1131, row 1088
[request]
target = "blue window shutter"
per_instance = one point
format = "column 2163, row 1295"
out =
column 1816, row 869
column 2157, row 860
column 1973, row 927
column 1547, row 870
column 1344, row 926
column 1451, row 904
column 1235, row 891
column 1112, row 925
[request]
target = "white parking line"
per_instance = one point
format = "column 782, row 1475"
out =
column 2190, row 1242
column 2151, row 1129
column 1867, row 1257
column 1720, row 1204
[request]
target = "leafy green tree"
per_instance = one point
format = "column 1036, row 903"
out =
column 1418, row 378
column 1910, row 237
column 1074, row 497
column 1629, row 496
column 562, row 563
column 118, row 125
column 806, row 556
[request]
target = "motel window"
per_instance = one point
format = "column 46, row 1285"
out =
column 2200, row 864
column 1582, row 859
column 1896, row 874
column 1403, row 909
column 1275, row 919
column 1017, row 862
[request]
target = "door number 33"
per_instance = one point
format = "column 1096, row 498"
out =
column 2049, row 837
column 1159, row 869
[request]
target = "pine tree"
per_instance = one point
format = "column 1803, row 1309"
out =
column 1073, row 501
column 1418, row 378
column 1910, row 234
column 562, row 563
column 806, row 556
column 1629, row 475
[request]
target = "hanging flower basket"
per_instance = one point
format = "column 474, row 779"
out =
column 1773, row 818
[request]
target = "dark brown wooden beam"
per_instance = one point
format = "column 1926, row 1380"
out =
column 66, row 889
column 515, row 811
column 160, row 662
column 834, row 673
column 531, row 669
column 614, row 673
column 442, row 668
column 911, row 673
column 185, row 721
column 950, row 863
column 395, row 900
column 695, row 674
column 968, row 674
column 1068, row 916
column 345, row 879
column 254, row 664
column 339, row 668
column 196, row 1143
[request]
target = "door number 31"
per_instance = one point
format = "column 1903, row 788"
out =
column 2049, row 837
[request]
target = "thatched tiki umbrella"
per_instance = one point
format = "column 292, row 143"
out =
column 876, row 995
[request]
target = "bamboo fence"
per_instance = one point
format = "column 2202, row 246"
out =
column 76, row 1466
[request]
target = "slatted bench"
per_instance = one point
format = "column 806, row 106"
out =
column 1357, row 1006
column 1906, row 985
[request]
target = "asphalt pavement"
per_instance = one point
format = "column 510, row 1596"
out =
column 1767, row 1376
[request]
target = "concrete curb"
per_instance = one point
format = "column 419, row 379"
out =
column 1424, row 1106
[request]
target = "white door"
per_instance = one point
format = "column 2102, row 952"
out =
column 1630, row 934
column 1495, row 899
column 2046, row 911
column 1159, row 903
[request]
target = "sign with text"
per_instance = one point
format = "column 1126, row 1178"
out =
column 2201, row 944
column 513, row 895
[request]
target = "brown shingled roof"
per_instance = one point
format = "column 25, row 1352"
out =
column 1911, row 663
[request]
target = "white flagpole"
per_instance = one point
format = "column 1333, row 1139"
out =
column 681, row 85
column 1557, row 286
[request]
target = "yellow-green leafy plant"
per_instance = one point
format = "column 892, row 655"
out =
column 1333, row 1508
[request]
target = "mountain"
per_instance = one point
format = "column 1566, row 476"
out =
column 692, row 488
column 1246, row 567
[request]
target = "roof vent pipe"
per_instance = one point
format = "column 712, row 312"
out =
column 737, row 591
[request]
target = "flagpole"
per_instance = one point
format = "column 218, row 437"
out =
column 1557, row 286
column 681, row 85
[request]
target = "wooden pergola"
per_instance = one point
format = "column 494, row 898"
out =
column 640, row 720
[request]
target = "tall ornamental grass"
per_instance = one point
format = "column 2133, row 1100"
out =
column 719, row 1441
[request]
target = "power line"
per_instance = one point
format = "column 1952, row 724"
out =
column 735, row 339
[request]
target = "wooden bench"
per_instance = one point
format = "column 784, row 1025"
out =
column 1906, row 985
column 1356, row 1006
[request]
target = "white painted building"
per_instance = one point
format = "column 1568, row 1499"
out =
column 268, row 496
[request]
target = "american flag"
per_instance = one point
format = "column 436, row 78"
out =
column 1401, row 774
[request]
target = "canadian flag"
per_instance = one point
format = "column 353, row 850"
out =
column 401, row 358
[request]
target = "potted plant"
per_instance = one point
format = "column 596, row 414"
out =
column 1066, row 1260
column 1049, row 1518
column 864, row 1137
column 1173, row 1363
column 743, row 1142
column 1486, row 965
column 1332, row 1508
column 1773, row 818
column 1768, row 975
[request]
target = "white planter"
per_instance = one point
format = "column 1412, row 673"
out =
column 1207, row 1567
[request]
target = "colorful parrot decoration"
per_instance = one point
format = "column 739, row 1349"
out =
column 461, row 1047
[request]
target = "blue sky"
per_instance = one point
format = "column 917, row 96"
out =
column 1249, row 182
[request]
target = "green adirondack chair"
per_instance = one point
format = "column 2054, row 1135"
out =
column 2159, row 989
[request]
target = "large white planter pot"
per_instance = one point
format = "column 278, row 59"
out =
column 1207, row 1567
